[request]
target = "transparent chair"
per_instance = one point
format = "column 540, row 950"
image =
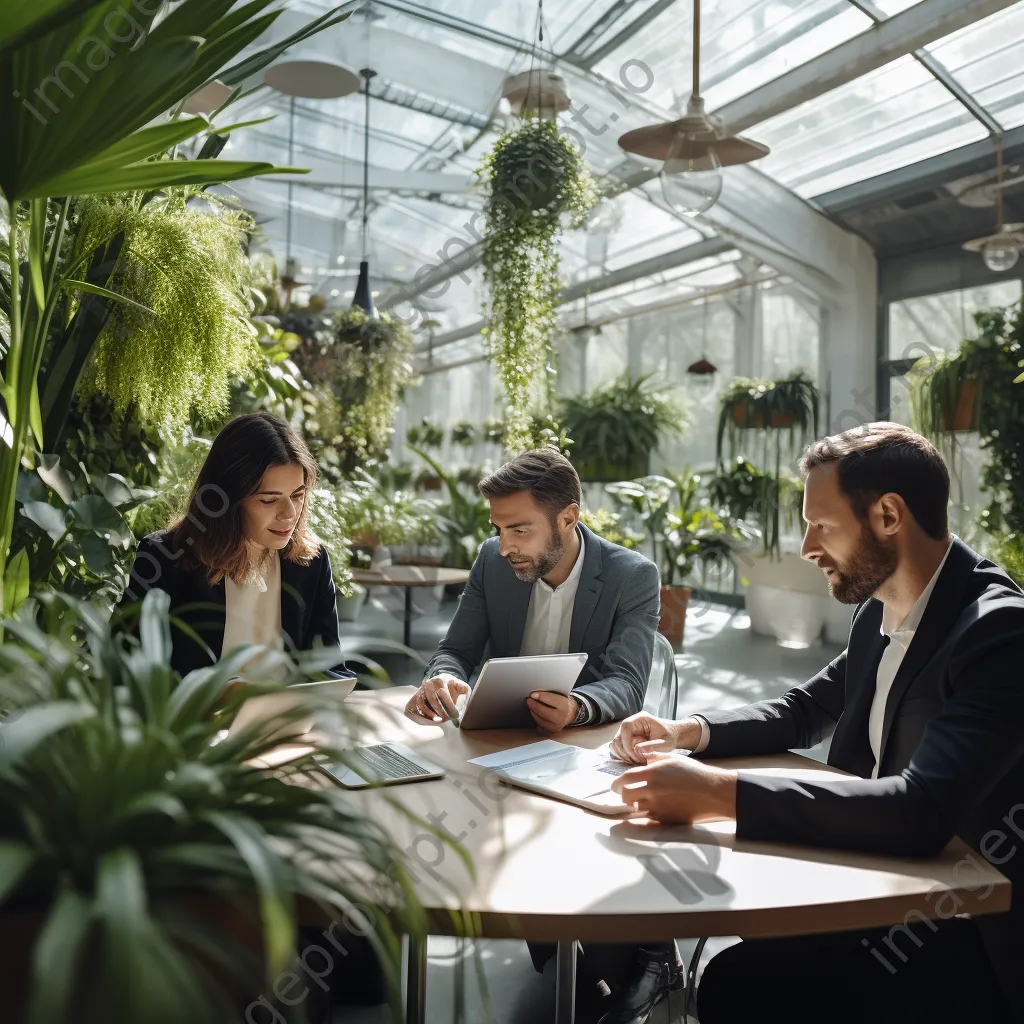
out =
column 663, row 684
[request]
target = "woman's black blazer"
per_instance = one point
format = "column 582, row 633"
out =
column 308, row 602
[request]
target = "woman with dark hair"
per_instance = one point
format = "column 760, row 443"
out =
column 241, row 565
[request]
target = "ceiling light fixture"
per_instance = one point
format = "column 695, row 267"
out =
column 694, row 148
column 703, row 369
column 304, row 79
column 363, row 297
column 1002, row 250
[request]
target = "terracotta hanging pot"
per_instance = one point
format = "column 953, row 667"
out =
column 965, row 415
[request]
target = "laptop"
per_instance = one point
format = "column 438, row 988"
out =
column 380, row 764
column 383, row 764
column 573, row 774
column 316, row 696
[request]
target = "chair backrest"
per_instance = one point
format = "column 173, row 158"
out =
column 663, row 684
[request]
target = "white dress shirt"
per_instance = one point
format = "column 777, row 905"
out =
column 549, row 618
column 900, row 637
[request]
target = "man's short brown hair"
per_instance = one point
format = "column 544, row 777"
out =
column 887, row 458
column 546, row 474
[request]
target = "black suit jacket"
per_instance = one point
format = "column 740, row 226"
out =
column 952, row 754
column 308, row 602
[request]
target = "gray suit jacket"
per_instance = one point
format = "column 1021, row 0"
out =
column 614, row 619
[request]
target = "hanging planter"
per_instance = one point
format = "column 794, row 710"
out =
column 950, row 400
column 534, row 181
column 761, row 420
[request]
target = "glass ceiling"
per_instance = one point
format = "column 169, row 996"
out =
column 436, row 112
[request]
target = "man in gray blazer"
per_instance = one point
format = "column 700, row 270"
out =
column 547, row 585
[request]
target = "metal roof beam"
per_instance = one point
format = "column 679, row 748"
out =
column 888, row 40
column 644, row 268
column 925, row 174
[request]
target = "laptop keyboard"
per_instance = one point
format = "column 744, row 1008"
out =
column 385, row 763
column 615, row 768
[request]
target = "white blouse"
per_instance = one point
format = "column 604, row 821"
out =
column 253, row 615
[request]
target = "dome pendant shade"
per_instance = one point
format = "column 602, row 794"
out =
column 535, row 93
column 702, row 368
column 363, row 298
column 691, row 137
column 312, row 79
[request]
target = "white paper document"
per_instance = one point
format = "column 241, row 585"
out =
column 527, row 754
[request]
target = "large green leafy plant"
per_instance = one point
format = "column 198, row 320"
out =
column 770, row 502
column 685, row 533
column 84, row 90
column 535, row 181
column 615, row 428
column 156, row 869
column 357, row 369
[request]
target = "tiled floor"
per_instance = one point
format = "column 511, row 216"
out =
column 723, row 665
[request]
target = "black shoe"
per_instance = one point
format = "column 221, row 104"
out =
column 657, row 976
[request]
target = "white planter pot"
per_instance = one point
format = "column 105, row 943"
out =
column 786, row 599
column 837, row 622
column 794, row 619
column 350, row 607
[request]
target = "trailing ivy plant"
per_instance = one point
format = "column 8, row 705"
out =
column 535, row 182
column 357, row 370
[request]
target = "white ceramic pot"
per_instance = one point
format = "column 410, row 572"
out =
column 350, row 607
column 786, row 599
column 794, row 619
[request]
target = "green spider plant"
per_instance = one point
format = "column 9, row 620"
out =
column 163, row 867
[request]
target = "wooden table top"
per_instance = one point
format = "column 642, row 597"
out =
column 550, row 870
column 409, row 576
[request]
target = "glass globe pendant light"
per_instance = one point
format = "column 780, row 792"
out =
column 1001, row 251
column 693, row 149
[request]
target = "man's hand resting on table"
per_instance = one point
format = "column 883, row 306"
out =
column 435, row 700
column 677, row 790
column 643, row 733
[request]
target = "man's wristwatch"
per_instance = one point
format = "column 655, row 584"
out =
column 582, row 712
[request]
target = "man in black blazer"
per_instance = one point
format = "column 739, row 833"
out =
column 547, row 585
column 927, row 708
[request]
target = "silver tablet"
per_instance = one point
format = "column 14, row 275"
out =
column 498, row 701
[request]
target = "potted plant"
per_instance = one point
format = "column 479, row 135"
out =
column 612, row 527
column 771, row 420
column 357, row 371
column 464, row 434
column 789, row 404
column 494, row 432
column 425, row 434
column 615, row 428
column 684, row 534
column 464, row 522
column 767, row 501
column 153, row 870
column 534, row 181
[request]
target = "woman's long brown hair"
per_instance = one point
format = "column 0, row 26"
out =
column 209, row 534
